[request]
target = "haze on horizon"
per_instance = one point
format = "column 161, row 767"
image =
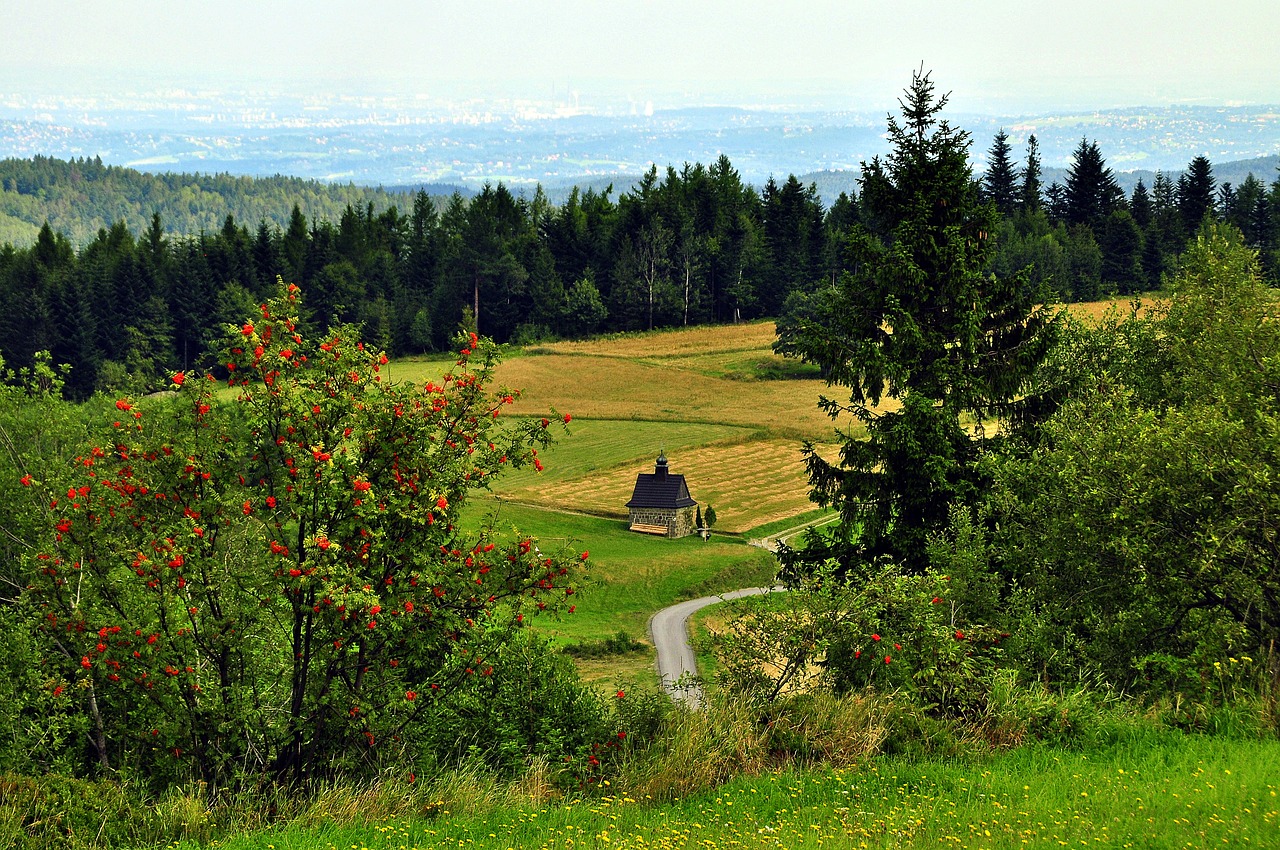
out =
column 996, row 56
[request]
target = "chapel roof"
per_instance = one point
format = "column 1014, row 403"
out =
column 660, row 489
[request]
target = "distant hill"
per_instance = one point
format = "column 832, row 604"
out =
column 1262, row 167
column 79, row 197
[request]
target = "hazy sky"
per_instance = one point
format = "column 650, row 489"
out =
column 852, row 53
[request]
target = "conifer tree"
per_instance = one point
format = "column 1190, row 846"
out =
column 1195, row 193
column 1140, row 204
column 916, row 319
column 1031, row 177
column 1092, row 192
column 1000, row 183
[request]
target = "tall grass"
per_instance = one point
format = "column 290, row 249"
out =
column 1152, row 788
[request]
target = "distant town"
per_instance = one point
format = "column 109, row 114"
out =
column 565, row 140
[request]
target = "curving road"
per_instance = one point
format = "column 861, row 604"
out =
column 669, row 629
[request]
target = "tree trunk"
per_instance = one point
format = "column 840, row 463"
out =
column 97, row 734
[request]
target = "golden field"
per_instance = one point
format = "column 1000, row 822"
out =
column 730, row 415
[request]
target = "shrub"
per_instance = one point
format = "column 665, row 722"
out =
column 535, row 709
column 618, row 644
column 269, row 583
column 886, row 630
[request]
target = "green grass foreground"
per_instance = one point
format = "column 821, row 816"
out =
column 1152, row 789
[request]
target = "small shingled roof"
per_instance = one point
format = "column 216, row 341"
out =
column 660, row 489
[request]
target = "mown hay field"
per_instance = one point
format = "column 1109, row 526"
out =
column 750, row 482
column 711, row 398
column 730, row 415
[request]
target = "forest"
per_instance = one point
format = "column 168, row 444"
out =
column 685, row 246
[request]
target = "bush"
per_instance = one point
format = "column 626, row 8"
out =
column 532, row 706
column 885, row 630
column 618, row 644
column 270, row 585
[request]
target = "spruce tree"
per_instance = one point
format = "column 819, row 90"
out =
column 919, row 321
column 1195, row 193
column 1031, row 177
column 1140, row 204
column 1000, row 183
column 1092, row 193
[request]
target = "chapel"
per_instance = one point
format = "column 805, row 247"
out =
column 660, row 503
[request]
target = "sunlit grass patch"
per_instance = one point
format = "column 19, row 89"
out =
column 676, row 342
column 1159, row 789
column 630, row 575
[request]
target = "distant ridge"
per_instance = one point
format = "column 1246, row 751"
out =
column 78, row 197
column 435, row 190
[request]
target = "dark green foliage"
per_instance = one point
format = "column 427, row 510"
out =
column 532, row 705
column 1140, row 535
column 1029, row 198
column 1140, row 204
column 79, row 197
column 1195, row 192
column 619, row 644
column 692, row 245
column 1092, row 193
column 999, row 183
column 688, row 245
column 1120, row 242
column 917, row 319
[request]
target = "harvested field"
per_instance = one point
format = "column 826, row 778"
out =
column 614, row 388
column 593, row 447
column 681, row 342
column 1094, row 311
column 749, row 482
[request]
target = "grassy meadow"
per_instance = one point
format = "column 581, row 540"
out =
column 630, row 577
column 1146, row 789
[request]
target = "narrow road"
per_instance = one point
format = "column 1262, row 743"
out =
column 669, row 629
column 771, row 543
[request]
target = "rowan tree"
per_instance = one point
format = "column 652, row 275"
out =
column 267, row 580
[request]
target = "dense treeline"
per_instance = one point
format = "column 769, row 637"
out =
column 686, row 246
column 1086, row 240
column 81, row 196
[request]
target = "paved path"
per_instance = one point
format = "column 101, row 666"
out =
column 669, row 629
column 771, row 543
